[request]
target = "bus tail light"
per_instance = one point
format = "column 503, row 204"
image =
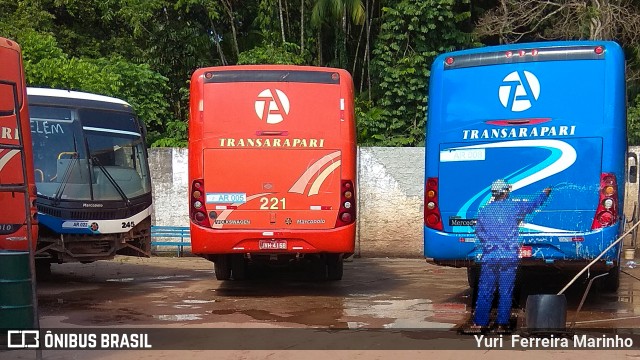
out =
column 526, row 251
column 432, row 218
column 607, row 211
column 347, row 212
column 197, row 208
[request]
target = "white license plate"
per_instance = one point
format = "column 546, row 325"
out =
column 273, row 244
column 226, row 198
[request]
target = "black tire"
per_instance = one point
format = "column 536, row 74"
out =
column 335, row 267
column 222, row 267
column 611, row 282
column 43, row 269
column 318, row 268
column 473, row 276
column 238, row 267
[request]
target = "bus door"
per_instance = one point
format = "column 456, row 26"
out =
column 274, row 159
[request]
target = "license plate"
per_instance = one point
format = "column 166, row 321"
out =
column 273, row 244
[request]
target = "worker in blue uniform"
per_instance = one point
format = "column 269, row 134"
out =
column 497, row 229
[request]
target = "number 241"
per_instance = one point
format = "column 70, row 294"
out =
column 272, row 203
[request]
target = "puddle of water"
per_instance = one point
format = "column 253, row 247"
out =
column 356, row 324
column 120, row 280
column 367, row 295
column 417, row 324
column 187, row 307
column 401, row 313
column 161, row 277
column 179, row 317
column 193, row 301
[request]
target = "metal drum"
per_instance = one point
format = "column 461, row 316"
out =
column 16, row 305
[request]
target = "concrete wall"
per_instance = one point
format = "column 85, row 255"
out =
column 390, row 189
column 390, row 197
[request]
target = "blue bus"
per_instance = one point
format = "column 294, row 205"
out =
column 92, row 177
column 537, row 115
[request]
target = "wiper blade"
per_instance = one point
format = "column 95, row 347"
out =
column 111, row 180
column 67, row 173
column 65, row 179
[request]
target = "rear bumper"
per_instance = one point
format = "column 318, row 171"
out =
column 560, row 250
column 211, row 241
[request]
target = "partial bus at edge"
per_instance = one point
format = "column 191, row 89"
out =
column 272, row 168
column 549, row 114
column 18, row 219
column 92, row 175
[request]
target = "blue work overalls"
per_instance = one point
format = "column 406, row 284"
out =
column 497, row 229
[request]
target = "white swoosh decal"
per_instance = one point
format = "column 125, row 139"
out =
column 7, row 157
column 566, row 159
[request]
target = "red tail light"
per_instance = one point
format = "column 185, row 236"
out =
column 432, row 218
column 197, row 208
column 347, row 212
column 607, row 211
column 526, row 251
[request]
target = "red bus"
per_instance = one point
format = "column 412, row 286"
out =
column 17, row 185
column 272, row 167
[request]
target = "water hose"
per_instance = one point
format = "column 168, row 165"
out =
column 598, row 258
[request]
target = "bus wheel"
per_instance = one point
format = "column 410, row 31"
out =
column 473, row 276
column 611, row 282
column 335, row 267
column 238, row 267
column 43, row 269
column 318, row 268
column 222, row 267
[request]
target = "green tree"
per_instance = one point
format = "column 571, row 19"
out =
column 330, row 12
column 287, row 54
column 633, row 122
column 46, row 65
column 412, row 34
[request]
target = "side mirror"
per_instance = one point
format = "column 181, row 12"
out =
column 632, row 160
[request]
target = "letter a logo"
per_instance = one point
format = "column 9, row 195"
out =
column 272, row 105
column 519, row 90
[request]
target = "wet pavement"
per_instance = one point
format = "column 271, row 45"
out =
column 393, row 300
column 375, row 293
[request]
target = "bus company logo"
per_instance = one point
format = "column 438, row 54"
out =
column 519, row 90
column 272, row 105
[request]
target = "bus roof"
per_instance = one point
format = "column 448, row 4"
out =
column 528, row 52
column 530, row 45
column 76, row 97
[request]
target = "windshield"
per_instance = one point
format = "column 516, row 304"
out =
column 115, row 167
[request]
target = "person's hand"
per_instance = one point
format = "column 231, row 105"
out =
column 547, row 191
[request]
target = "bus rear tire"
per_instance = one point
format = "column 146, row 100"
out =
column 318, row 268
column 611, row 282
column 473, row 276
column 335, row 267
column 238, row 267
column 222, row 268
column 43, row 269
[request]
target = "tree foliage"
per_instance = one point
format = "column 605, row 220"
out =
column 411, row 36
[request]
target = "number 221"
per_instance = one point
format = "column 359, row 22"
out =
column 272, row 203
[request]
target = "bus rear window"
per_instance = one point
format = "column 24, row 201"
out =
column 520, row 95
column 263, row 109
